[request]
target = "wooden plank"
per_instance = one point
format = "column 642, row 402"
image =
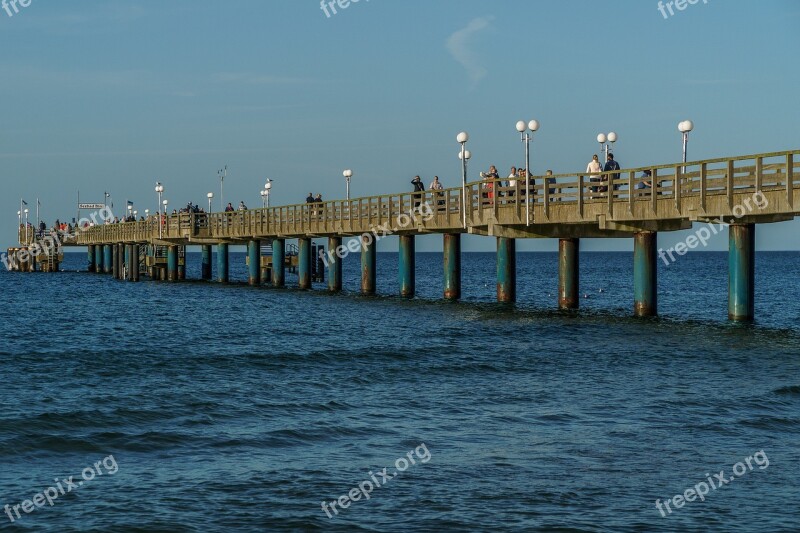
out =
column 759, row 173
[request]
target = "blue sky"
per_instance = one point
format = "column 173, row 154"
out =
column 114, row 95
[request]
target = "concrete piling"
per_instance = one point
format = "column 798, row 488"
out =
column 506, row 270
column 452, row 266
column 741, row 272
column 645, row 273
column 568, row 273
column 407, row 266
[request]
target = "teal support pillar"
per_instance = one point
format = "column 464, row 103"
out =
column 121, row 259
column 126, row 254
column 452, row 266
column 223, row 272
column 741, row 272
column 278, row 263
column 645, row 273
column 181, row 263
column 172, row 263
column 99, row 257
column 506, row 270
column 368, row 264
column 108, row 259
column 334, row 262
column 90, row 256
column 115, row 266
column 134, row 263
column 304, row 263
column 254, row 263
column 205, row 267
column 569, row 273
column 407, row 266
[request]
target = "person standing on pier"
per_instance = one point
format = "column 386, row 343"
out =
column 611, row 165
column 594, row 168
column 436, row 185
column 419, row 187
column 229, row 208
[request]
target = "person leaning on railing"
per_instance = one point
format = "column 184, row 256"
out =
column 592, row 169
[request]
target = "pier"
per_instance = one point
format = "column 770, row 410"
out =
column 739, row 191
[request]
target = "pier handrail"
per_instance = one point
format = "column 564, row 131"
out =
column 572, row 198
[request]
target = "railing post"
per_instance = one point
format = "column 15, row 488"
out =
column 790, row 179
column 581, row 187
column 729, row 183
column 703, row 185
column 654, row 191
column 759, row 173
column 678, row 187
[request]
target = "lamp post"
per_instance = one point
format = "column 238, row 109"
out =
column 268, row 189
column 210, row 197
column 26, row 224
column 222, row 173
column 526, row 132
column 135, row 215
column 163, row 221
column 263, row 199
column 130, row 211
column 147, row 214
column 463, row 155
column 19, row 216
column 160, row 191
column 347, row 175
column 685, row 127
column 605, row 148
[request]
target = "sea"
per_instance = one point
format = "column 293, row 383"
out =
column 197, row 406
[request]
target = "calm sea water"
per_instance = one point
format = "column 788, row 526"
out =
column 229, row 408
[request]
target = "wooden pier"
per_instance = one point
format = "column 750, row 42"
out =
column 741, row 191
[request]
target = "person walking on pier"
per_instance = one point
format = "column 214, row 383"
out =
column 419, row 187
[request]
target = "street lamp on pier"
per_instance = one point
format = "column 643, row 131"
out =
column 160, row 191
column 605, row 148
column 26, row 225
column 685, row 127
column 348, row 174
column 210, row 197
column 222, row 173
column 526, row 132
column 268, row 190
column 464, row 156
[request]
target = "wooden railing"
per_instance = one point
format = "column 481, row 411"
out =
column 562, row 199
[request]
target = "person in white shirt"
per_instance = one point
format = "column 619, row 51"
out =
column 594, row 168
column 512, row 180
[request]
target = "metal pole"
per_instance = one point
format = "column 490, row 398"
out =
column 464, row 183
column 685, row 146
column 527, row 141
column 348, row 189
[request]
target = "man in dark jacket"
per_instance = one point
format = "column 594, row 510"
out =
column 611, row 165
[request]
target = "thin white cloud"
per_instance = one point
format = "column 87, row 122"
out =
column 458, row 45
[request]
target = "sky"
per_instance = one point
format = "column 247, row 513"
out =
column 115, row 95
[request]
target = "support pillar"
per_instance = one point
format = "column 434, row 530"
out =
column 115, row 266
column 645, row 273
column 334, row 263
column 506, row 270
column 254, row 263
column 452, row 266
column 99, row 256
column 222, row 263
column 134, row 263
column 172, row 263
column 205, row 270
column 278, row 263
column 569, row 273
column 181, row 263
column 108, row 259
column 407, row 266
column 90, row 255
column 304, row 263
column 368, row 264
column 741, row 272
